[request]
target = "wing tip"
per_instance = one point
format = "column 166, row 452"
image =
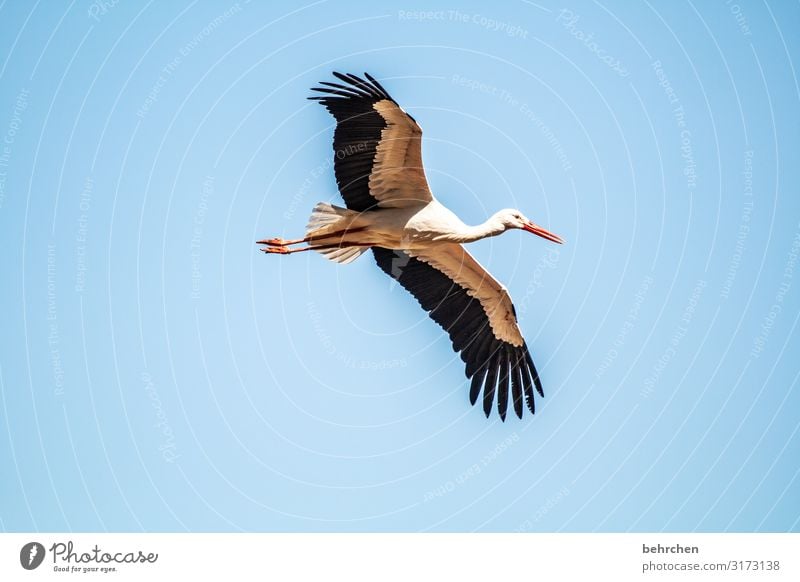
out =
column 357, row 88
column 517, row 375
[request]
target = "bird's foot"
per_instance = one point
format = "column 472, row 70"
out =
column 273, row 242
column 276, row 250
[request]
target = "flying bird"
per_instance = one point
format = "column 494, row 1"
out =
column 391, row 211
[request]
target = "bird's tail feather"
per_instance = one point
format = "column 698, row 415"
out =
column 327, row 218
column 343, row 255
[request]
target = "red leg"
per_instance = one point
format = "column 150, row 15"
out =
column 285, row 251
column 279, row 242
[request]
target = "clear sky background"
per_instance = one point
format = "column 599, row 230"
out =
column 158, row 373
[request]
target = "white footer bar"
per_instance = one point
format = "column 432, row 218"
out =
column 401, row 557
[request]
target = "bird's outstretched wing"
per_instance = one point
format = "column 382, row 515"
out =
column 377, row 147
column 476, row 310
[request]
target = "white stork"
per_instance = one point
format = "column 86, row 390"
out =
column 416, row 240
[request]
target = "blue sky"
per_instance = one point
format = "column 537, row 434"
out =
column 157, row 373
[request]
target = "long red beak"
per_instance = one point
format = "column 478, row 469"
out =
column 538, row 230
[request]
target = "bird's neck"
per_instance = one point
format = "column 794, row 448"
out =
column 491, row 227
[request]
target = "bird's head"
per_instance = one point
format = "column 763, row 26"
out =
column 512, row 218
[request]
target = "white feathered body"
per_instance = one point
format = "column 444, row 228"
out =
column 407, row 227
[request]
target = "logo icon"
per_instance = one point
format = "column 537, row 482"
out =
column 31, row 555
